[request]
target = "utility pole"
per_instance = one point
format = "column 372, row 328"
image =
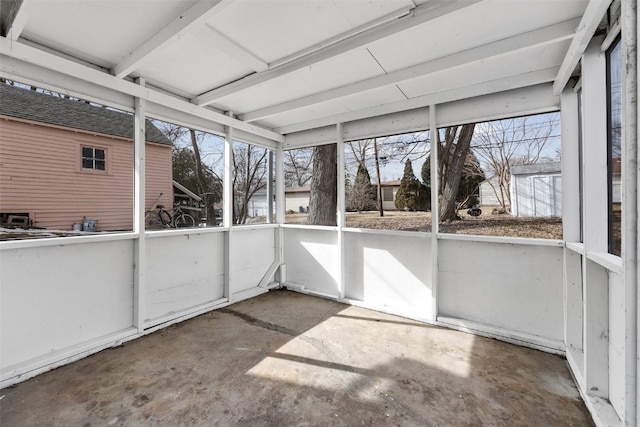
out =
column 375, row 151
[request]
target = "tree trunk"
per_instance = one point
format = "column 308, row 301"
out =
column 375, row 152
column 451, row 167
column 324, row 182
column 209, row 210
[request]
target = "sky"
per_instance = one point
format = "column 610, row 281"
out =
column 394, row 150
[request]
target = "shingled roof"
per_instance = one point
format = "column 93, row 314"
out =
column 31, row 105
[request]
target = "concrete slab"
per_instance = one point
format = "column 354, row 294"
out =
column 289, row 359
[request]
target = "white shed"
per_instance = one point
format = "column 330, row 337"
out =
column 536, row 190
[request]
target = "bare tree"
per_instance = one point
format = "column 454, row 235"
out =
column 453, row 151
column 504, row 143
column 297, row 167
column 250, row 171
column 207, row 184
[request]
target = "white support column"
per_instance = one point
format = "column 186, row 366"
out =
column 595, row 220
column 435, row 208
column 340, row 211
column 570, row 166
column 594, row 111
column 139, row 139
column 270, row 187
column 280, row 210
column 630, row 206
column 227, row 214
column 280, row 196
column 571, row 223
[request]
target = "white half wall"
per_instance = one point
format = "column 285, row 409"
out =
column 390, row 272
column 512, row 287
column 57, row 297
column 312, row 259
column 183, row 271
column 252, row 256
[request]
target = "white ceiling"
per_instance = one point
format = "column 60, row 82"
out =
column 290, row 65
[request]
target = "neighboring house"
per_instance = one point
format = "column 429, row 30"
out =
column 257, row 204
column 487, row 193
column 64, row 160
column 297, row 199
column 536, row 190
column 616, row 180
column 389, row 191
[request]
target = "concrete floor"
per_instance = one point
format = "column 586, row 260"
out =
column 286, row 359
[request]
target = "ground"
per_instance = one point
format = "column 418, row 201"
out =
column 287, row 359
column 487, row 224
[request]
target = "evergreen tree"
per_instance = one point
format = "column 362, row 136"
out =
column 412, row 194
column 361, row 196
column 472, row 176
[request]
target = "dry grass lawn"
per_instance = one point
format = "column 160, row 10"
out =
column 487, row 224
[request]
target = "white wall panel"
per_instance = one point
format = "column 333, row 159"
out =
column 312, row 259
column 616, row 343
column 392, row 272
column 516, row 287
column 183, row 271
column 252, row 253
column 56, row 297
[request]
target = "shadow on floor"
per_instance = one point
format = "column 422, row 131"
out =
column 289, row 359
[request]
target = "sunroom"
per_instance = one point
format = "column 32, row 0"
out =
column 333, row 80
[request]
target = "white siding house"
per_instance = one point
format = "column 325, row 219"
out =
column 488, row 190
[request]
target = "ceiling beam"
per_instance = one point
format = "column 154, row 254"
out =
column 13, row 17
column 484, row 88
column 542, row 36
column 229, row 47
column 51, row 61
column 424, row 13
column 596, row 10
column 196, row 15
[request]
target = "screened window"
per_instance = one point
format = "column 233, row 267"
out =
column 93, row 158
column 614, row 131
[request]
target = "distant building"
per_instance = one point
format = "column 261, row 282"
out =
column 536, row 190
column 64, row 160
column 487, row 193
column 297, row 199
column 389, row 191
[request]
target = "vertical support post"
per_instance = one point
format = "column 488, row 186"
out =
column 270, row 187
column 341, row 222
column 631, row 206
column 571, row 224
column 594, row 276
column 280, row 210
column 435, row 209
column 595, row 148
column 139, row 139
column 596, row 331
column 280, row 196
column 227, row 214
column 570, row 166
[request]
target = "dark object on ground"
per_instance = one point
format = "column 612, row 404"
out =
column 474, row 211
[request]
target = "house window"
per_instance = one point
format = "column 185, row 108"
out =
column 93, row 158
column 387, row 194
column 614, row 136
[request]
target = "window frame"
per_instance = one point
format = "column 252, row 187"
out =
column 94, row 159
column 616, row 43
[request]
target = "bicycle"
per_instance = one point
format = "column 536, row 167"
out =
column 158, row 217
